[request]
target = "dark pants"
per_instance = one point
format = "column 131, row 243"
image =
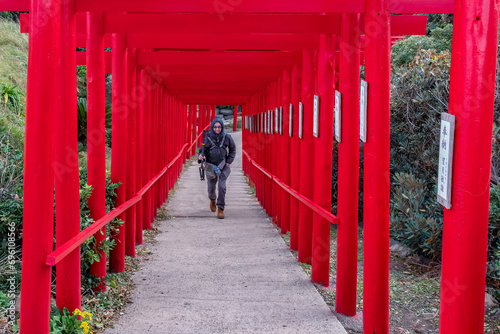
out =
column 222, row 177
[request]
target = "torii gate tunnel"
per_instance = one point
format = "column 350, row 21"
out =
column 172, row 61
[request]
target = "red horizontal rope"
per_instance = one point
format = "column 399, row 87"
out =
column 312, row 205
column 61, row 252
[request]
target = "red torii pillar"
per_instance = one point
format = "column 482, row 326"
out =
column 192, row 115
column 68, row 279
column 465, row 225
column 130, row 222
column 323, row 146
column 296, row 83
column 139, row 95
column 285, row 149
column 306, row 156
column 38, row 192
column 235, row 119
column 96, row 143
column 119, row 146
column 146, row 146
column 276, row 149
column 348, row 164
column 376, row 193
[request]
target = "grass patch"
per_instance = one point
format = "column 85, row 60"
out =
column 13, row 72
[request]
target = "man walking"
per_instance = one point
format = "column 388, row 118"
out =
column 219, row 150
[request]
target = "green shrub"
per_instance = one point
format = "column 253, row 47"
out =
column 81, row 109
column 439, row 40
column 88, row 255
column 413, row 215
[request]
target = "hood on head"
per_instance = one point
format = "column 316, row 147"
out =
column 217, row 120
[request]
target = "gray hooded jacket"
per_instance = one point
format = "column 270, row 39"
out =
column 228, row 144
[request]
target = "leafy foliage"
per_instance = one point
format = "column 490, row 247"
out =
column 412, row 216
column 439, row 40
column 81, row 108
column 88, row 254
column 67, row 322
column 11, row 96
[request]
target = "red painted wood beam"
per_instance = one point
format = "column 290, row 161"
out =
column 222, row 8
column 81, row 59
column 255, row 58
column 248, row 23
column 223, row 100
column 287, row 42
column 222, row 71
column 209, row 92
column 81, row 40
column 245, row 86
column 203, row 94
column 211, row 27
column 217, row 78
column 211, row 23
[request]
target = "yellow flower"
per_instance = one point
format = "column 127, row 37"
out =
column 85, row 327
column 87, row 315
column 77, row 312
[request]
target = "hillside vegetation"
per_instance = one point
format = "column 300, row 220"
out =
column 13, row 73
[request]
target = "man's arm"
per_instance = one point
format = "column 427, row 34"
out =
column 232, row 151
column 202, row 149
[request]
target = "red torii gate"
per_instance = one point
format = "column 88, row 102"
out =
column 53, row 61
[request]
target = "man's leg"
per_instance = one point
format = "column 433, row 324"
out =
column 211, row 188
column 221, row 200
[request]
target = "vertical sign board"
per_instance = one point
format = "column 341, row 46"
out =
column 446, row 141
column 316, row 117
column 290, row 122
column 262, row 122
column 338, row 116
column 265, row 122
column 363, row 98
column 301, row 112
column 281, row 120
column 271, row 120
column 276, row 120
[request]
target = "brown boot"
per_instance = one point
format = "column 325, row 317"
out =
column 213, row 206
column 220, row 213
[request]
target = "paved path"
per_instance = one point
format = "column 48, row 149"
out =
column 222, row 276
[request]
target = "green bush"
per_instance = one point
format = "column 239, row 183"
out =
column 88, row 255
column 412, row 216
column 439, row 40
column 419, row 96
column 81, row 109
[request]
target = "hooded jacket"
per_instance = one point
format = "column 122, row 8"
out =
column 228, row 145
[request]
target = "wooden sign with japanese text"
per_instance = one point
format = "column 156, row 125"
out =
column 446, row 140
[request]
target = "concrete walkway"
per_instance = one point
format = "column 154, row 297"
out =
column 222, row 276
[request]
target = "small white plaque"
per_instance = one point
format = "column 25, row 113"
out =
column 363, row 102
column 262, row 129
column 446, row 141
column 301, row 112
column 266, row 122
column 316, row 117
column 271, row 122
column 338, row 116
column 290, row 123
column 276, row 120
column 281, row 120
